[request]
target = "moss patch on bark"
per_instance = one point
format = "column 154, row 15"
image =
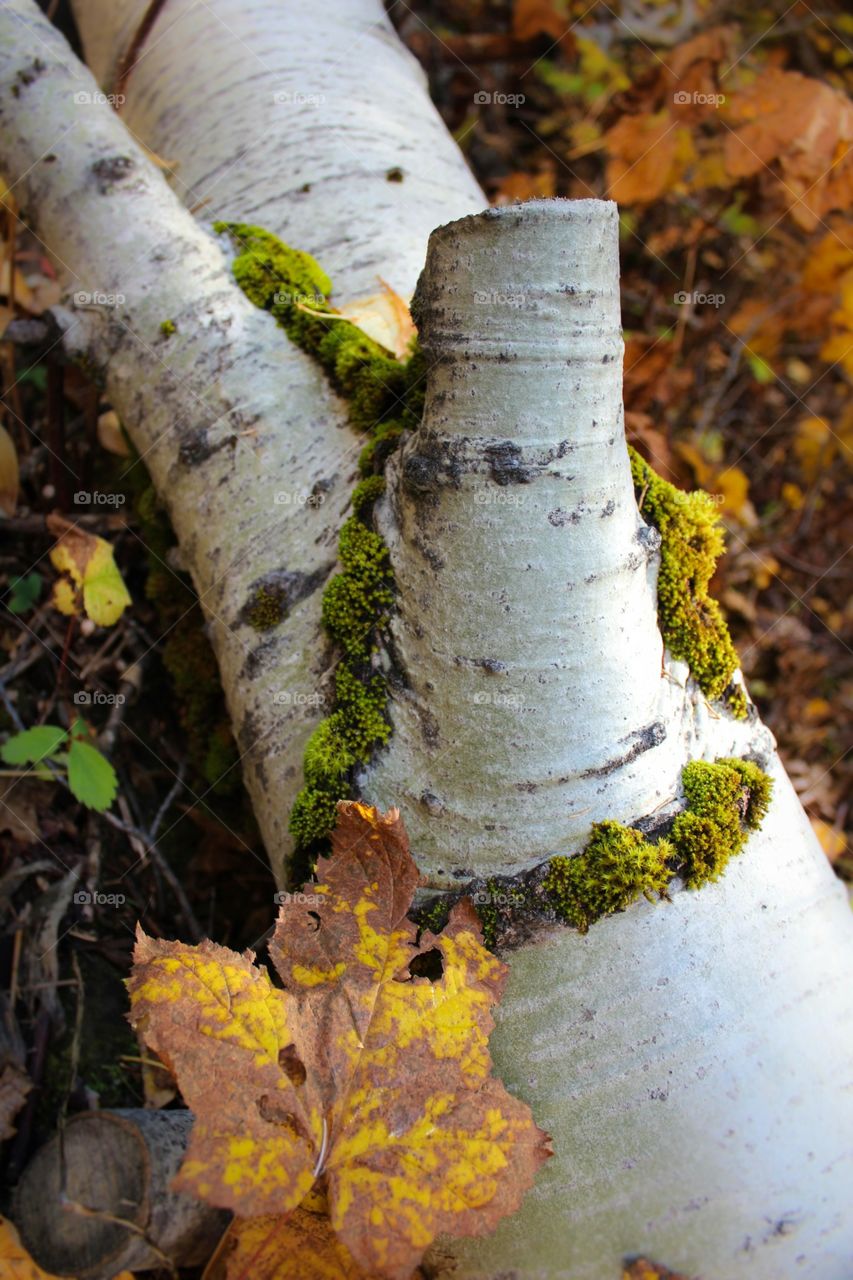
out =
column 691, row 622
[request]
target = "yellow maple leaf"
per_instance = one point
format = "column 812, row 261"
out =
column 94, row 584
column 361, row 1079
column 264, row 1249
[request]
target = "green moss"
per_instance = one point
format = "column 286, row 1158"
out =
column 295, row 289
column 383, row 441
column 724, row 801
column 691, row 622
column 167, row 328
column 355, row 601
column 384, row 396
column 366, row 492
column 616, row 866
column 339, row 743
column 266, row 609
column 434, row 916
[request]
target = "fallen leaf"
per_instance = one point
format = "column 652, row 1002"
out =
column 110, row 435
column 359, row 1077
column 832, row 841
column 814, row 445
column 92, row 572
column 20, row 803
column 802, row 126
column 642, row 156
column 531, row 18
column 9, row 475
column 15, row 1084
column 264, row 1249
column 385, row 317
column 642, row 1269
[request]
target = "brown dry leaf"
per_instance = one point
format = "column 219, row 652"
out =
column 9, row 474
column 532, row 18
column 526, row 186
column 110, row 435
column 16, row 1263
column 359, row 1077
column 642, row 157
column 21, row 800
column 832, row 841
column 265, row 1249
column 711, row 46
column 642, row 1269
column 805, row 128
column 15, row 1084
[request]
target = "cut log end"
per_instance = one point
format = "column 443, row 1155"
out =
column 95, row 1200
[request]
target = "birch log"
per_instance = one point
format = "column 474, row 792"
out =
column 692, row 1060
column 244, row 441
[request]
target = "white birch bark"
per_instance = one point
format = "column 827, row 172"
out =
column 692, row 1060
column 235, row 425
column 534, row 700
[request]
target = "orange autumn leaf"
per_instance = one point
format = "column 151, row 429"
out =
column 647, row 155
column 531, row 18
column 360, row 1078
column 804, row 128
column 642, row 1269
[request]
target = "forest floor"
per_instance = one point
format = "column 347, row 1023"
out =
column 737, row 293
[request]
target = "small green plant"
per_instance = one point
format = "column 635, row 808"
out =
column 90, row 776
column 24, row 592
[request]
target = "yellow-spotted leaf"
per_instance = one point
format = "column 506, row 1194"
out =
column 93, row 583
column 217, row 1021
column 372, row 1085
column 266, row 1249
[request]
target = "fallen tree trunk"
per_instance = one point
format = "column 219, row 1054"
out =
column 247, row 446
column 687, row 1057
